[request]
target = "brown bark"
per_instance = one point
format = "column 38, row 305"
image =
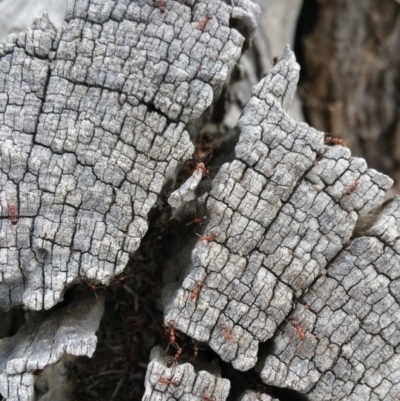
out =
column 351, row 83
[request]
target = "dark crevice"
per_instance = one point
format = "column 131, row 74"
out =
column 242, row 28
column 11, row 321
column 250, row 380
column 305, row 25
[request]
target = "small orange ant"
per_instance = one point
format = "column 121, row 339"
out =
column 161, row 4
column 92, row 286
column 202, row 24
column 175, row 383
column 274, row 61
column 196, row 290
column 206, row 397
column 208, row 238
column 336, row 141
column 171, row 332
column 299, row 330
column 353, row 187
column 197, row 220
column 203, row 169
column 228, row 334
column 175, row 359
column 195, row 352
column 13, row 214
column 119, row 280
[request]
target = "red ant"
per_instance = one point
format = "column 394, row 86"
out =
column 175, row 383
column 203, row 169
column 336, row 141
column 195, row 352
column 175, row 359
column 92, row 286
column 13, row 214
column 353, row 187
column 299, row 330
column 228, row 334
column 206, row 397
column 197, row 220
column 202, row 24
column 208, row 238
column 196, row 290
column 274, row 61
column 161, row 4
column 171, row 331
column 119, row 280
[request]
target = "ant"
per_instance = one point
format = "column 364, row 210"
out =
column 175, row 383
column 299, row 330
column 196, row 290
column 92, row 286
column 195, row 352
column 171, row 332
column 206, row 397
column 353, row 187
column 175, row 359
column 202, row 24
column 208, row 238
column 13, row 214
column 205, row 171
column 274, row 61
column 161, row 4
column 228, row 334
column 119, row 280
column 197, row 220
column 336, row 141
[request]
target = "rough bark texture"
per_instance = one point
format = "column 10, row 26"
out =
column 352, row 81
column 97, row 119
column 186, row 383
column 93, row 120
column 43, row 340
column 93, row 127
column 283, row 210
column 350, row 318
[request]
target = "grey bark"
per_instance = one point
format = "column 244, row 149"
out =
column 97, row 118
column 93, row 122
column 43, row 340
column 283, row 211
column 188, row 384
column 100, row 156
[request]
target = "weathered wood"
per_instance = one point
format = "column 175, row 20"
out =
column 181, row 382
column 283, row 210
column 350, row 319
column 298, row 249
column 93, row 126
column 43, row 340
